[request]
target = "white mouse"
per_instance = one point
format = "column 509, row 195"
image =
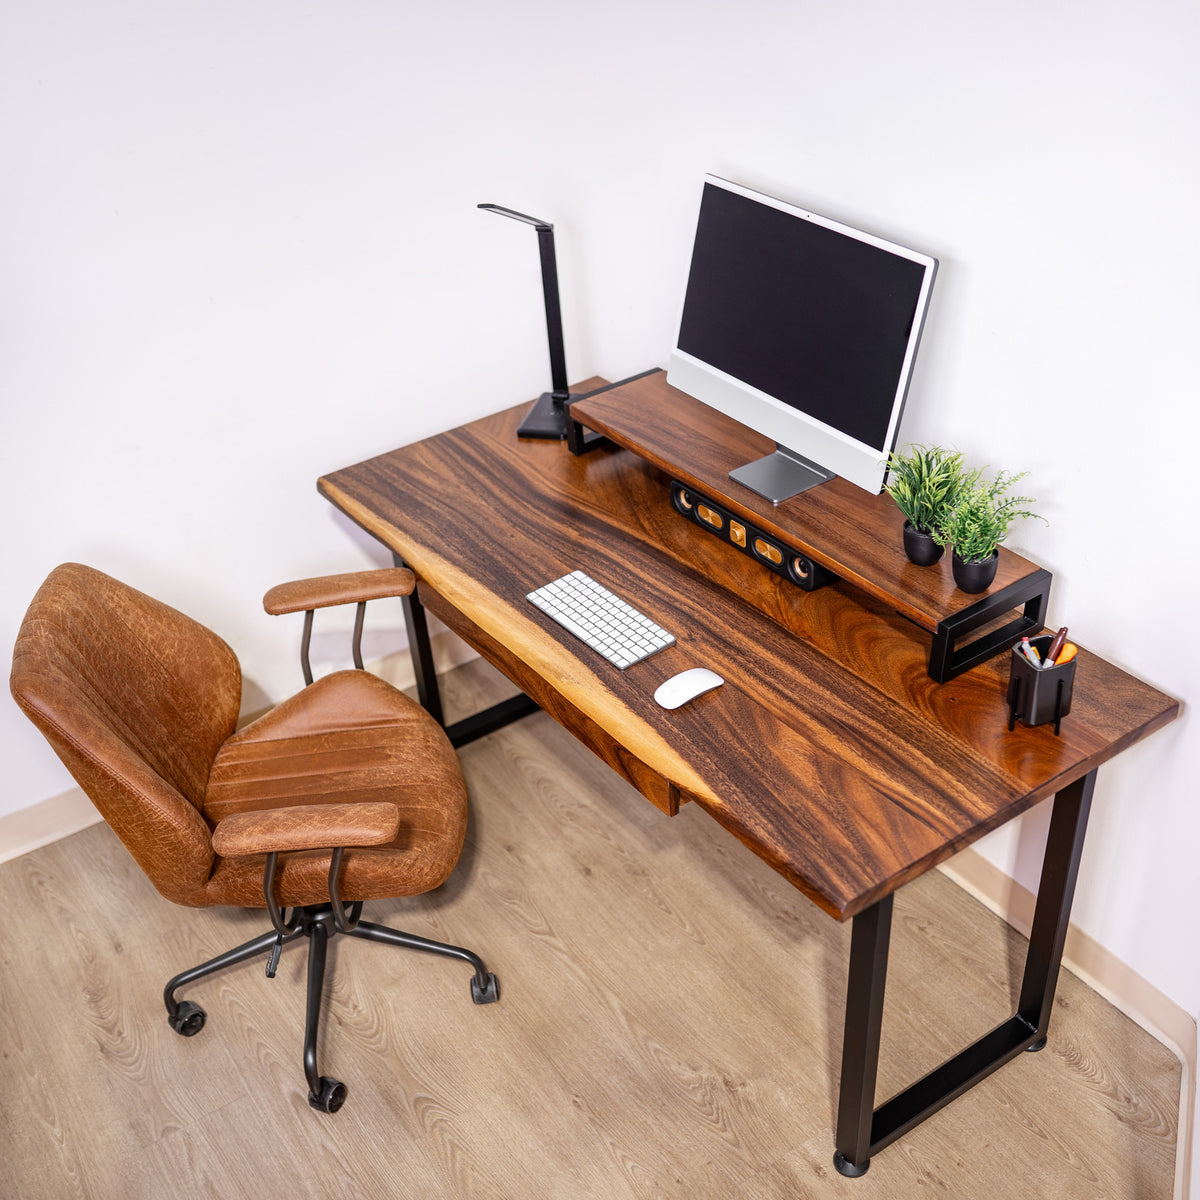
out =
column 685, row 686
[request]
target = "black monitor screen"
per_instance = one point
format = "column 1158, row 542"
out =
column 813, row 317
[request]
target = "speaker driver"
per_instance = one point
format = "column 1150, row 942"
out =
column 682, row 500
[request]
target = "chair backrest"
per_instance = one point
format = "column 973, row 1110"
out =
column 136, row 700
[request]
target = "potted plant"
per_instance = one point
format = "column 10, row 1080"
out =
column 977, row 524
column 924, row 481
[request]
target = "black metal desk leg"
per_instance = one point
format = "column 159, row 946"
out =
column 862, row 1132
column 1051, row 917
column 421, row 650
column 869, row 940
column 478, row 724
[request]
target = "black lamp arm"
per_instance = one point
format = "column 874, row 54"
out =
column 559, row 389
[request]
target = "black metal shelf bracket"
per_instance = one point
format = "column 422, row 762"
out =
column 579, row 439
column 949, row 656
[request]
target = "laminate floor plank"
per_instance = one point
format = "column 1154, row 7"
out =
column 669, row 1026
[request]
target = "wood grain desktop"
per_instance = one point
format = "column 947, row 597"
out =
column 829, row 752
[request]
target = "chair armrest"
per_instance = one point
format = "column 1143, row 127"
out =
column 306, row 827
column 324, row 591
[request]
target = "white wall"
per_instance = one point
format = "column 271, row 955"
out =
column 240, row 248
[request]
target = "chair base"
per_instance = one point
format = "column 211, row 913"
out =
column 316, row 922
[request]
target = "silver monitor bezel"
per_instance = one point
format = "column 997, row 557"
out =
column 856, row 461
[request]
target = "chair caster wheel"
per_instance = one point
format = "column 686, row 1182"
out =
column 187, row 1019
column 331, row 1097
column 487, row 995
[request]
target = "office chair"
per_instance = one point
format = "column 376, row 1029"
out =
column 347, row 792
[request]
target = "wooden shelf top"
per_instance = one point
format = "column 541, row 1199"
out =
column 856, row 535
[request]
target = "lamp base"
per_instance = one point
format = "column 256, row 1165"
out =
column 547, row 418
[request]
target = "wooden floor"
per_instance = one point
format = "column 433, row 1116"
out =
column 669, row 1026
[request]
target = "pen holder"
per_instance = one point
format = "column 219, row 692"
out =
column 1038, row 695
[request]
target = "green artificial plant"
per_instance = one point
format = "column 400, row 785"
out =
column 981, row 515
column 925, row 481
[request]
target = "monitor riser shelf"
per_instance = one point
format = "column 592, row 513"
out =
column 857, row 536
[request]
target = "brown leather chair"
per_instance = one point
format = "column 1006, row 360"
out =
column 349, row 791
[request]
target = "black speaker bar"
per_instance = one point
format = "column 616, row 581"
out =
column 736, row 532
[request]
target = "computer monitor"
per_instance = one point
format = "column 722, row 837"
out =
column 805, row 330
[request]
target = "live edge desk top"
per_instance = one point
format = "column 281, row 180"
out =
column 829, row 751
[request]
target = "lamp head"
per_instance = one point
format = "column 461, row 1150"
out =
column 537, row 223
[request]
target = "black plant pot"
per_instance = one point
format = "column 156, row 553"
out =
column 975, row 575
column 920, row 546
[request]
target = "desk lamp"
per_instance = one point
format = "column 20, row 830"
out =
column 548, row 416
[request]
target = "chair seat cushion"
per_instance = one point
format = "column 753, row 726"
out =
column 349, row 737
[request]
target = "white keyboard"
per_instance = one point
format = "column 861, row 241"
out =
column 601, row 620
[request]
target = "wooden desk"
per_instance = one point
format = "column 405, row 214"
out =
column 829, row 751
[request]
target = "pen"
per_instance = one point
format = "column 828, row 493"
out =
column 1056, row 646
column 1030, row 652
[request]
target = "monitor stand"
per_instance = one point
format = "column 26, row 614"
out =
column 781, row 475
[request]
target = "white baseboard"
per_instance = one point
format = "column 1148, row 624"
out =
column 1106, row 974
column 45, row 822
